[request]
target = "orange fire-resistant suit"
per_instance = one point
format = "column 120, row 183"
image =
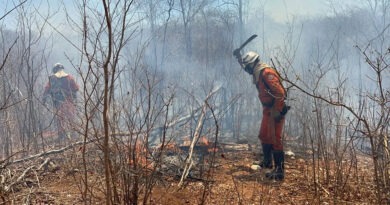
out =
column 271, row 94
column 62, row 89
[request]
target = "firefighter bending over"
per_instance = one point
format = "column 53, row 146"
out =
column 272, row 95
column 62, row 89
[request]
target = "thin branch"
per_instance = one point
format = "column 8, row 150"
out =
column 1, row 18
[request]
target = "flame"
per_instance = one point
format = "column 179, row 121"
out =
column 205, row 141
column 211, row 150
column 140, row 155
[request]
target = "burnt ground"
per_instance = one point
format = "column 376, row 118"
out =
column 231, row 182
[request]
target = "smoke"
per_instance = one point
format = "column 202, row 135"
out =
column 311, row 37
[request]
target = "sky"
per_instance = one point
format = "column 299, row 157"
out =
column 279, row 10
column 282, row 10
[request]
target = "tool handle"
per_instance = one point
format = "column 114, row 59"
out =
column 237, row 53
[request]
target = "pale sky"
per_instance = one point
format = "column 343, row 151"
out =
column 282, row 10
column 279, row 10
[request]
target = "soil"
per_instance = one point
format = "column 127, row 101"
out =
column 232, row 181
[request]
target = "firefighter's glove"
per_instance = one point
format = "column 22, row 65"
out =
column 285, row 109
column 237, row 54
column 276, row 115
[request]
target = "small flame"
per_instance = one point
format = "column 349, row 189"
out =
column 211, row 150
column 140, row 154
column 205, row 141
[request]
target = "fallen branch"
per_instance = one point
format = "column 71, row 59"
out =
column 51, row 152
column 20, row 178
column 197, row 133
column 32, row 168
column 47, row 160
column 81, row 142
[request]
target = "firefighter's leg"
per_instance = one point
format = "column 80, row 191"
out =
column 61, row 116
column 67, row 112
column 278, row 145
column 70, row 119
column 264, row 134
column 60, row 130
column 278, row 153
column 266, row 141
column 278, row 172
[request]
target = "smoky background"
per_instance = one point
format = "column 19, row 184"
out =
column 173, row 53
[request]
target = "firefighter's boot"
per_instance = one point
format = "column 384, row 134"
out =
column 278, row 172
column 267, row 161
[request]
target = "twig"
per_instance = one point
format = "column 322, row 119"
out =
column 21, row 3
column 51, row 152
column 326, row 191
column 36, row 176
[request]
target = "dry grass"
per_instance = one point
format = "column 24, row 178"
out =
column 233, row 182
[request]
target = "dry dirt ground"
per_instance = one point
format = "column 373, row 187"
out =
column 232, row 182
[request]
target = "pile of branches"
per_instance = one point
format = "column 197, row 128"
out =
column 13, row 178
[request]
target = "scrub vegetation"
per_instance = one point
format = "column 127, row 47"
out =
column 165, row 115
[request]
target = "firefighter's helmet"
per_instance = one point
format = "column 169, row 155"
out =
column 249, row 58
column 57, row 67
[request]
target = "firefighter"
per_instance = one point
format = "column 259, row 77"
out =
column 62, row 89
column 272, row 95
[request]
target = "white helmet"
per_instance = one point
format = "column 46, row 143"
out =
column 57, row 67
column 249, row 57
